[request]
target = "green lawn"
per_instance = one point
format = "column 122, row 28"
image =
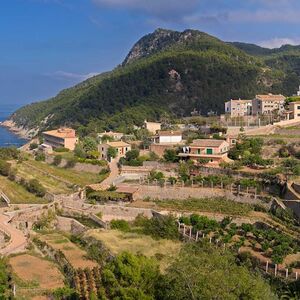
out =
column 17, row 193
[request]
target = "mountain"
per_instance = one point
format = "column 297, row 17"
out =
column 166, row 73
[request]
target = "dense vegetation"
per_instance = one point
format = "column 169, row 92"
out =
column 205, row 72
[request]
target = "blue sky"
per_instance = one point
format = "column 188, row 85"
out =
column 47, row 45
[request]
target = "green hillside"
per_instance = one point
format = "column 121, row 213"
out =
column 166, row 72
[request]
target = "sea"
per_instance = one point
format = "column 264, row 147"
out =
column 8, row 138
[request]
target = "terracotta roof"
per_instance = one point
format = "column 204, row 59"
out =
column 127, row 189
column 169, row 133
column 118, row 144
column 207, row 143
column 270, row 97
column 62, row 133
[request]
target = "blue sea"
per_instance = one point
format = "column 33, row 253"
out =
column 7, row 138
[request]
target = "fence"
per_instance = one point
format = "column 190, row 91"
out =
column 266, row 266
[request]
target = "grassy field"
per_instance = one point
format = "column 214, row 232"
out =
column 52, row 185
column 63, row 180
column 75, row 255
column 29, row 274
column 117, row 241
column 17, row 193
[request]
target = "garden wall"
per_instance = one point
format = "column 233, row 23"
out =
column 181, row 193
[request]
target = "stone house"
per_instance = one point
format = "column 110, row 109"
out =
column 121, row 147
column 215, row 151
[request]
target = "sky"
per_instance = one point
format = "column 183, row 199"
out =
column 48, row 45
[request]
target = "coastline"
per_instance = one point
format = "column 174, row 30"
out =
column 19, row 131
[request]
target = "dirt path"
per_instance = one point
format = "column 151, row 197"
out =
column 17, row 241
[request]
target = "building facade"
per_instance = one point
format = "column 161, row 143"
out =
column 172, row 137
column 213, row 150
column 268, row 104
column 60, row 138
column 238, row 108
column 121, row 147
column 294, row 110
column 152, row 127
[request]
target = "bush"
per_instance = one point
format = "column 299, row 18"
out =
column 40, row 156
column 170, row 155
column 155, row 175
column 4, row 168
column 35, row 187
column 9, row 153
column 12, row 174
column 61, row 149
column 121, row 225
column 162, row 227
column 112, row 153
column 71, row 163
column 104, row 172
column 33, row 146
column 57, row 160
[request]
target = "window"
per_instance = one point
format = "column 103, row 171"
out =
column 298, row 107
column 209, row 151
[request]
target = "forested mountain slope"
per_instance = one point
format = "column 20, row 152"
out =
column 166, row 72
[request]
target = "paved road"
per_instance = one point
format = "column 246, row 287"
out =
column 17, row 241
column 106, row 183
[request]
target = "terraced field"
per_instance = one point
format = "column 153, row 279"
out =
column 75, row 255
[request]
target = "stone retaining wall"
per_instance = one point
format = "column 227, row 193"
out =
column 181, row 193
column 110, row 212
column 70, row 225
column 80, row 167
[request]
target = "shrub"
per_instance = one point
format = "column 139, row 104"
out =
column 40, row 156
column 112, row 152
column 33, row 146
column 12, row 174
column 9, row 153
column 57, row 160
column 170, row 155
column 4, row 168
column 155, row 175
column 35, row 187
column 104, row 172
column 71, row 163
column 79, row 151
column 162, row 227
column 61, row 149
column 121, row 225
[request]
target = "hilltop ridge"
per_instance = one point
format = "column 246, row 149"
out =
column 166, row 73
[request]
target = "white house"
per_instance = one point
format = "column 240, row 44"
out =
column 168, row 137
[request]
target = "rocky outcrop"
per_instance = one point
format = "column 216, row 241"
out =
column 20, row 131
